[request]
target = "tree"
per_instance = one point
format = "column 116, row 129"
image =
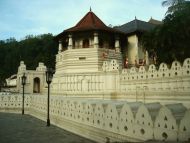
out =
column 32, row 50
column 170, row 41
column 173, row 5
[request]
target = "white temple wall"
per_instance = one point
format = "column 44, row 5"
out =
column 101, row 119
column 136, row 84
column 80, row 61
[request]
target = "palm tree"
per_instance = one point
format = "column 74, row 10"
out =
column 173, row 5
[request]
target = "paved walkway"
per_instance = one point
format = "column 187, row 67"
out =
column 17, row 128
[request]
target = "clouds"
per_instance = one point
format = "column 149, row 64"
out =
column 23, row 17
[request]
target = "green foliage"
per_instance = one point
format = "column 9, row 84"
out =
column 32, row 50
column 170, row 41
column 173, row 5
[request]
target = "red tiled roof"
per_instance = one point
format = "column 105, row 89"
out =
column 90, row 22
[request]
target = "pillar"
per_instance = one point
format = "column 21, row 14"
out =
column 60, row 46
column 133, row 49
column 70, row 45
column 117, row 44
column 147, row 58
column 96, row 41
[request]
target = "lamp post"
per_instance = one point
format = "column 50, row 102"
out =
column 23, row 84
column 49, row 76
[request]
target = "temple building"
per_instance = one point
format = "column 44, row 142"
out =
column 105, row 87
column 91, row 47
column 91, row 35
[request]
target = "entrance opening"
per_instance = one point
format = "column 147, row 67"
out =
column 85, row 43
column 36, row 86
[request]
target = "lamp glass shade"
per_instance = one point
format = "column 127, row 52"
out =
column 23, row 79
column 49, row 75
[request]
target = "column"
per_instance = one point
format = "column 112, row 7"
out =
column 147, row 58
column 137, row 50
column 60, row 46
column 117, row 44
column 96, row 42
column 70, row 45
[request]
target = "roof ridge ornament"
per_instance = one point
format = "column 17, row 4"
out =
column 90, row 9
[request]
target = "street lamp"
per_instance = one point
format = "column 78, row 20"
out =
column 23, row 83
column 49, row 76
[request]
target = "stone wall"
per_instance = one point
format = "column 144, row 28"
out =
column 101, row 119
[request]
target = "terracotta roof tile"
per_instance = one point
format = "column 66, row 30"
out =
column 89, row 21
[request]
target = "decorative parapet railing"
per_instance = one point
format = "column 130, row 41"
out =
column 117, row 120
column 175, row 80
column 13, row 103
column 151, row 72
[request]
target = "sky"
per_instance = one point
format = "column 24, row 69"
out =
column 19, row 18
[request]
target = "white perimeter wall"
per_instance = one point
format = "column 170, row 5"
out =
column 101, row 119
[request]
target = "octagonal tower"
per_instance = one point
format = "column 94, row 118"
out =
column 84, row 47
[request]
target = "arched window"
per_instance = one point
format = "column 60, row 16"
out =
column 85, row 43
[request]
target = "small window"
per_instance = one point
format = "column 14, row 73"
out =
column 82, row 58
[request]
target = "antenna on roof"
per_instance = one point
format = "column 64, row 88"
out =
column 90, row 9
